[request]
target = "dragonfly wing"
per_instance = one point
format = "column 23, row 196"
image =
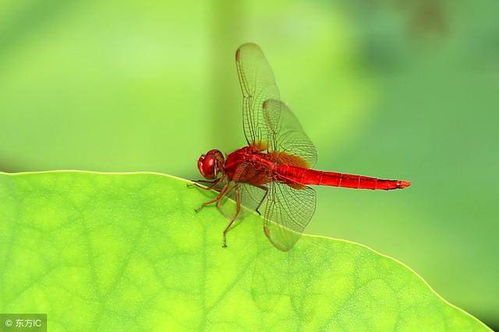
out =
column 286, row 133
column 252, row 197
column 287, row 212
column 257, row 85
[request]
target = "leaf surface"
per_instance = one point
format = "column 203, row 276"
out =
column 123, row 251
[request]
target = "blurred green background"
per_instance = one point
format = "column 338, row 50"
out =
column 404, row 89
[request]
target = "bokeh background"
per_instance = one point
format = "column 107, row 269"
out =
column 404, row 89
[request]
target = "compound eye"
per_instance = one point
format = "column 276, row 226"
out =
column 206, row 166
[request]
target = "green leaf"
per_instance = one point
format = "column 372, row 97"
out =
column 114, row 252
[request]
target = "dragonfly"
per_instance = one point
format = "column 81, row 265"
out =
column 273, row 173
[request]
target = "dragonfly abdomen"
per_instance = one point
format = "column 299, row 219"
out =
column 305, row 176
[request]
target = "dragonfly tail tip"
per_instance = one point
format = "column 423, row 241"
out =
column 403, row 184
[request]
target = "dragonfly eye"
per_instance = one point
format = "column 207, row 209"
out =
column 210, row 164
column 206, row 166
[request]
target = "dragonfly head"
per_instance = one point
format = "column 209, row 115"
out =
column 211, row 164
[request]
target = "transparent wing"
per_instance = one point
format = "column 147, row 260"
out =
column 257, row 85
column 287, row 212
column 286, row 132
column 252, row 197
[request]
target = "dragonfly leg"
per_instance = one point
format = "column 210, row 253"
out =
column 205, row 181
column 216, row 199
column 263, row 198
column 197, row 183
column 220, row 201
column 238, row 211
column 200, row 186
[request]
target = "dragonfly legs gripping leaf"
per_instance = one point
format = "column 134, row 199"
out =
column 233, row 218
column 218, row 201
column 215, row 200
column 211, row 184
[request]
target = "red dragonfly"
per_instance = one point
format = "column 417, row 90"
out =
column 273, row 172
